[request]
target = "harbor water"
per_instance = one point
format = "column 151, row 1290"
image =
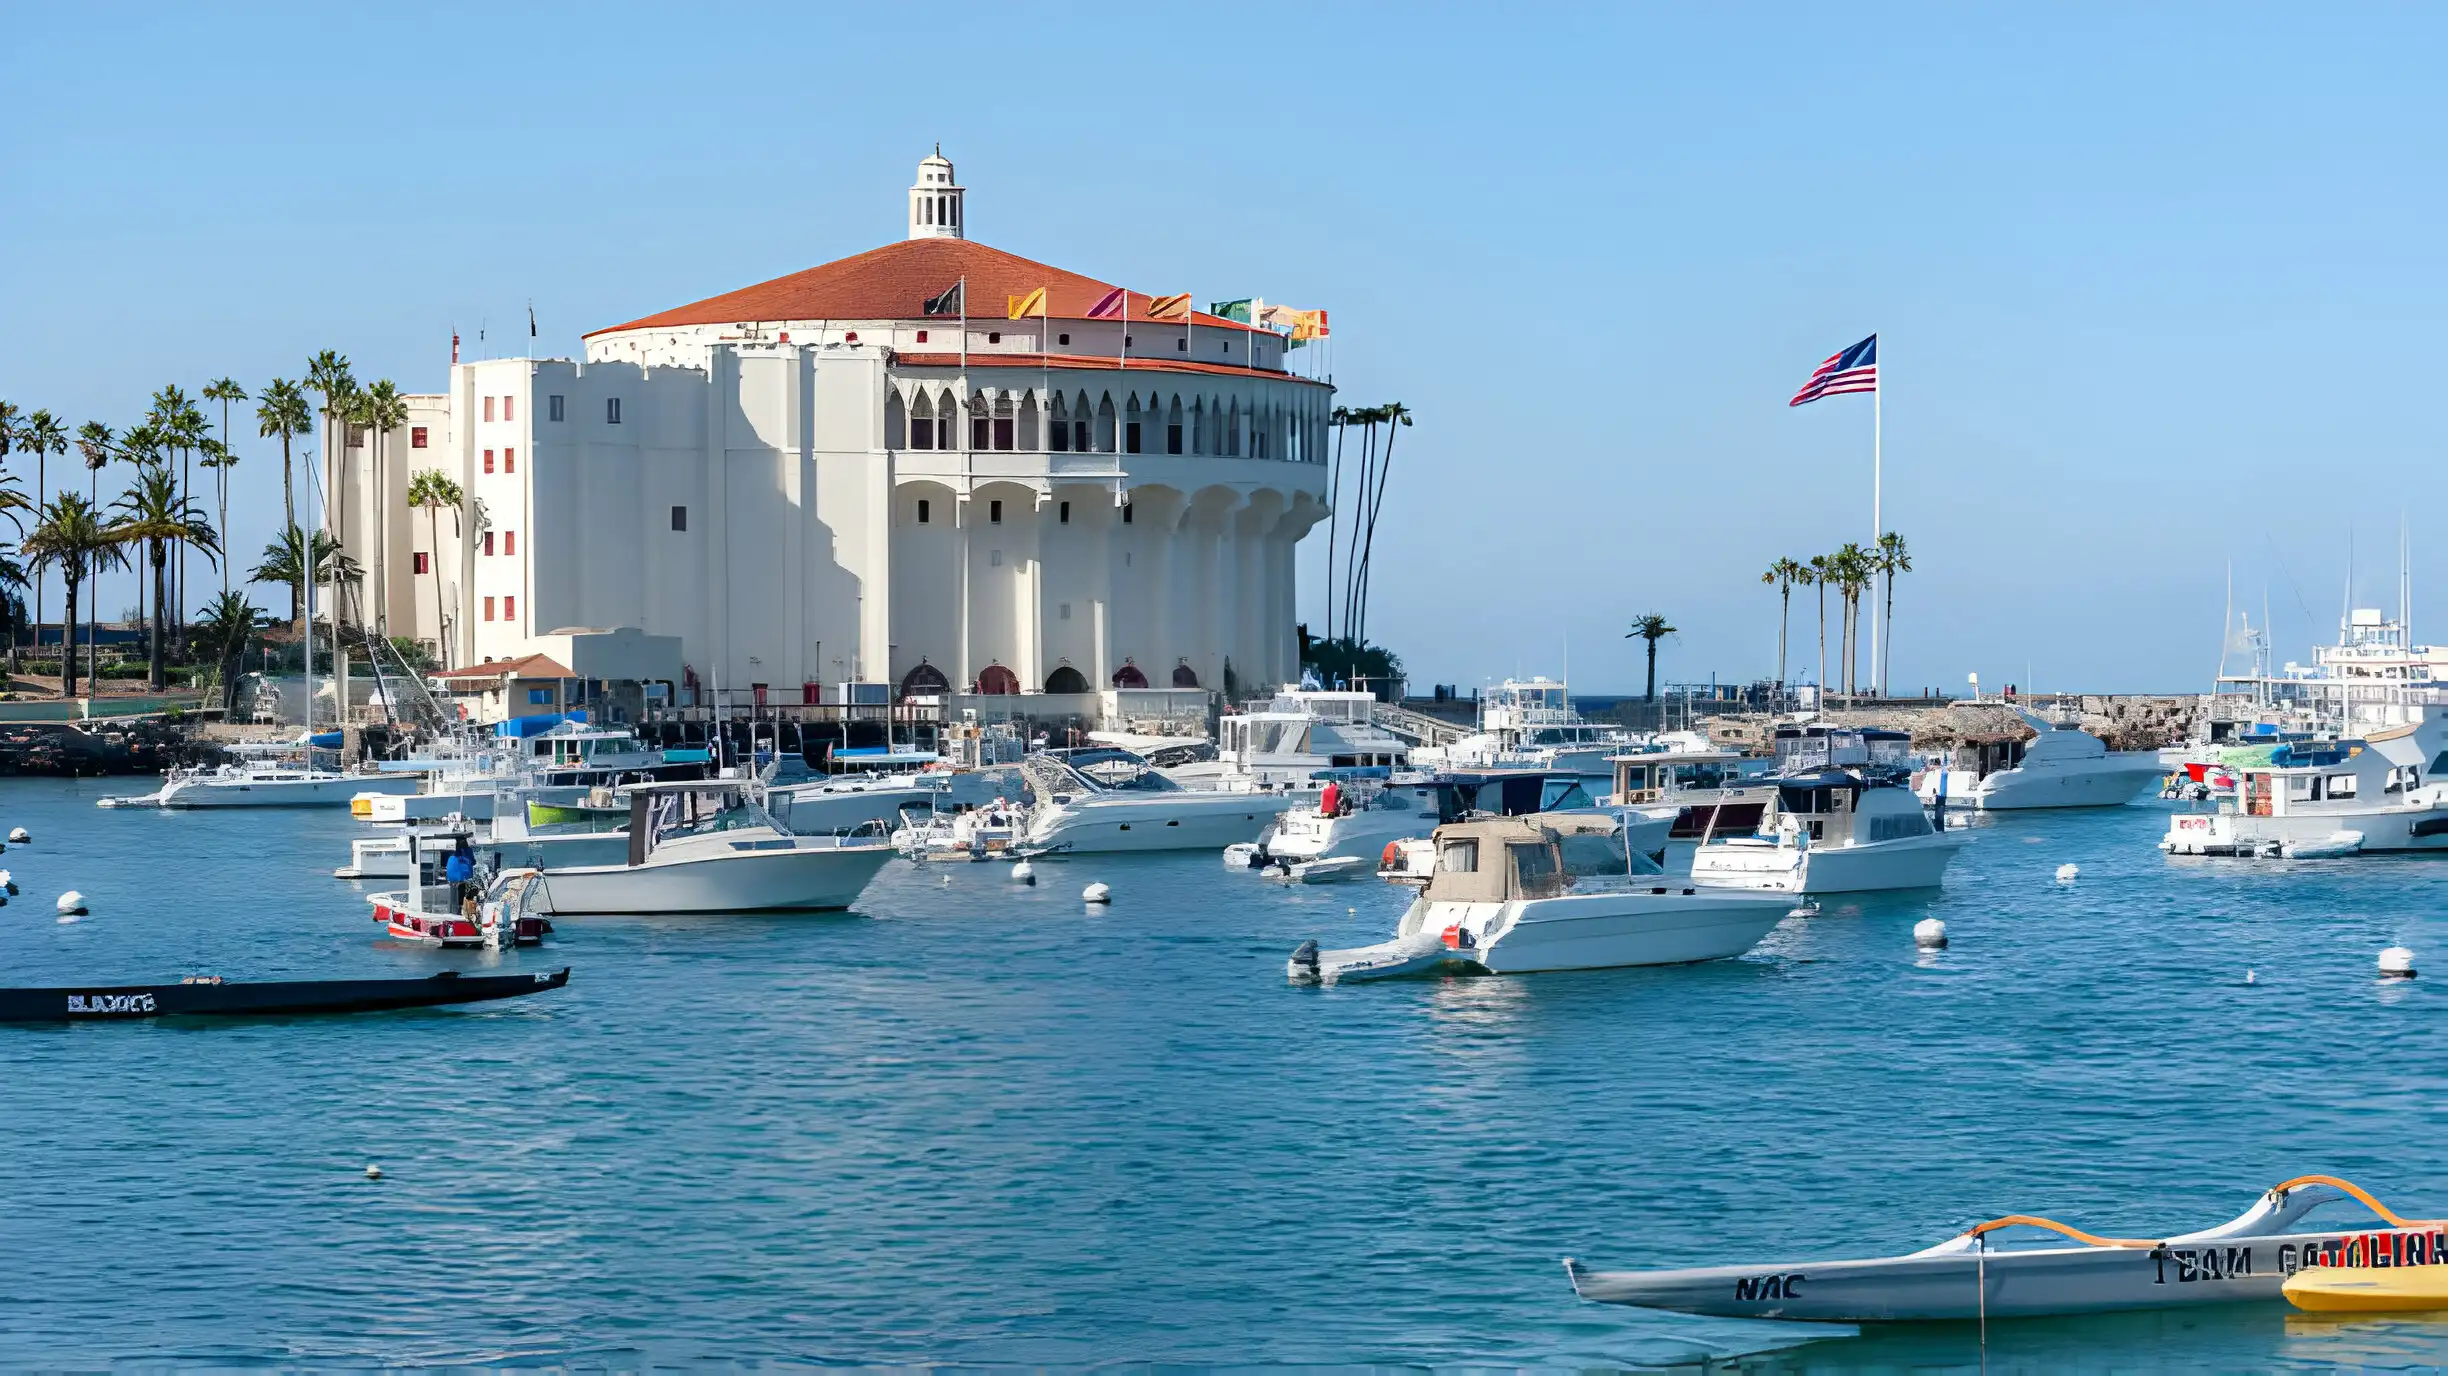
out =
column 975, row 1122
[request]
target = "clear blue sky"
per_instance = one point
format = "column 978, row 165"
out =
column 2157, row 289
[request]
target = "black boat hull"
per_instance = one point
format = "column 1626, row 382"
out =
column 121, row 1003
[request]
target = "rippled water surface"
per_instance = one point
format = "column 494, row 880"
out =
column 974, row 1122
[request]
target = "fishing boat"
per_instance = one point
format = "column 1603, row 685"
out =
column 2314, row 799
column 212, row 996
column 1973, row 1275
column 710, row 846
column 499, row 910
column 1516, row 895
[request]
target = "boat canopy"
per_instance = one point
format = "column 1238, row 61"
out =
column 1815, row 794
column 1499, row 859
column 523, row 727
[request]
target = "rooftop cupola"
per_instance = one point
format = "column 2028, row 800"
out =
column 935, row 201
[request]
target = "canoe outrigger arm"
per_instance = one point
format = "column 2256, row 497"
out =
column 1967, row 1276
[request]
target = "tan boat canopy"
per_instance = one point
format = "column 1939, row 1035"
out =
column 1497, row 859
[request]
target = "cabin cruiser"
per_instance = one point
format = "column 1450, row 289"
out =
column 1073, row 813
column 558, row 757
column 1295, row 735
column 1515, row 895
column 2320, row 798
column 266, row 775
column 709, row 846
column 1706, row 787
column 1841, row 822
column 2059, row 765
column 1363, row 813
column 1531, row 723
column 1979, row 1274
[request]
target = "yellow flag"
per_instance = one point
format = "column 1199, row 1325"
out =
column 1022, row 307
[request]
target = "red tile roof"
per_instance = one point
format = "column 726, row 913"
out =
column 1151, row 363
column 531, row 666
column 896, row 281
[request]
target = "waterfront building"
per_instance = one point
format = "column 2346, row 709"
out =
column 865, row 471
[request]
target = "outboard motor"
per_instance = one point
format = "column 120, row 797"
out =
column 1303, row 967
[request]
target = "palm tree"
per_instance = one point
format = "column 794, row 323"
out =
column 433, row 490
column 1782, row 575
column 1893, row 559
column 1340, row 420
column 1852, row 566
column 328, row 373
column 1818, row 571
column 71, row 539
column 381, row 410
column 12, row 604
column 284, row 414
column 188, row 432
column 227, row 625
column 44, row 436
column 98, row 447
column 141, row 445
column 156, row 513
column 283, row 561
column 220, row 460
column 1652, row 628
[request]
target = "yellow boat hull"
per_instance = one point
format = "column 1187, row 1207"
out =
column 2368, row 1289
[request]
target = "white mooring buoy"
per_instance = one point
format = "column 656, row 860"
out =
column 18, row 836
column 2067, row 874
column 72, row 903
column 2396, row 963
column 1929, row 934
column 2249, row 977
column 1024, row 873
column 1097, row 893
column 373, row 1172
column 8, row 881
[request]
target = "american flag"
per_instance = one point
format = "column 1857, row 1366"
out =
column 1854, row 370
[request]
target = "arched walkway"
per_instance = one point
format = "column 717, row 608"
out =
column 1128, row 676
column 1066, row 680
column 996, row 679
column 925, row 681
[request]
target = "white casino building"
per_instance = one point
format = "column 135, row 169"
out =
column 811, row 480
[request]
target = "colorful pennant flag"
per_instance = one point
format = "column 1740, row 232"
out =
column 954, row 301
column 1110, row 306
column 1022, row 307
column 1174, row 307
column 1235, row 310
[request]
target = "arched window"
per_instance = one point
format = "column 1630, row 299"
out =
column 1128, row 676
column 1105, row 424
column 1232, row 428
column 1066, row 680
column 997, row 680
column 1173, row 428
column 1131, row 425
column 1184, row 676
column 925, row 681
column 896, row 422
column 1002, row 422
column 947, row 418
column 1080, row 412
column 921, row 423
column 1027, row 430
column 981, row 423
column 1058, row 425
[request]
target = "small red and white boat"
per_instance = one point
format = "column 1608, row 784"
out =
column 425, row 929
column 430, row 914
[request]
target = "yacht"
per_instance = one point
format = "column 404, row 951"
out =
column 2321, row 798
column 1531, row 723
column 1842, row 821
column 2059, row 765
column 708, row 846
column 555, row 758
column 1076, row 814
column 1516, row 895
column 1706, row 787
column 1289, row 740
column 1370, row 811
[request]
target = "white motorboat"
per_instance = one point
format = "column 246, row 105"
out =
column 2059, row 765
column 555, row 759
column 1368, row 812
column 1841, row 822
column 847, row 802
column 1531, row 723
column 1074, row 814
column 1516, row 895
column 989, row 831
column 2319, row 798
column 1974, row 1276
column 706, row 846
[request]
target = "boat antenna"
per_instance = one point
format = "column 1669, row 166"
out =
column 2226, row 623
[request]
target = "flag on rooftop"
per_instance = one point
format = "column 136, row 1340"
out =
column 1110, row 306
column 1022, row 307
column 954, row 301
column 1174, row 307
column 1854, row 370
column 1234, row 310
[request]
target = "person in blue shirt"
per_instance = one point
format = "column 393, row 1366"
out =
column 460, row 871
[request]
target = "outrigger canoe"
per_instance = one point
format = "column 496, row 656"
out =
column 1969, row 1276
column 221, row 998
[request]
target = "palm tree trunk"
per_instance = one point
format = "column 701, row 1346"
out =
column 41, row 499
column 68, row 654
column 433, row 564
column 1650, row 693
column 161, row 577
column 1823, row 683
column 1887, row 636
column 186, row 481
column 1784, row 620
column 1334, row 521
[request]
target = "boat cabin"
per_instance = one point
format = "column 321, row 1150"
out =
column 1816, row 746
column 1301, row 731
column 660, row 813
column 2324, row 777
column 1502, row 859
column 1834, row 807
column 1657, row 776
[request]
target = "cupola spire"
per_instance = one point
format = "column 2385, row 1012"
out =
column 935, row 210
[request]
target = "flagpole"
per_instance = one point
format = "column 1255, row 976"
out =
column 1878, row 395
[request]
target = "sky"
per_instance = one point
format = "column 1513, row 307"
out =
column 2157, row 288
